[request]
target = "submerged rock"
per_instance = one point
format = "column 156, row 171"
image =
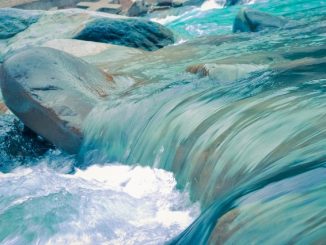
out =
column 52, row 92
column 134, row 33
column 13, row 21
column 300, row 70
column 249, row 20
column 224, row 72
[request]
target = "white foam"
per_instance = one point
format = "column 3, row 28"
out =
column 211, row 4
column 166, row 20
column 112, row 204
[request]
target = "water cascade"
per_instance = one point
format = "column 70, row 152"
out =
column 219, row 138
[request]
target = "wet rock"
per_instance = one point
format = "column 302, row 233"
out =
column 134, row 8
column 17, row 145
column 52, row 92
column 3, row 108
column 249, row 20
column 134, row 33
column 224, row 72
column 13, row 21
column 142, row 7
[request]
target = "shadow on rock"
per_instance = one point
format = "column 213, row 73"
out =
column 19, row 145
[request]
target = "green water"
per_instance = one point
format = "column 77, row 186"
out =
column 196, row 22
column 228, row 139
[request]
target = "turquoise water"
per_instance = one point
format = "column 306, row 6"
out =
column 227, row 138
column 198, row 22
column 232, row 155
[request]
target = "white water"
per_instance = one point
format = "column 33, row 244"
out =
column 206, row 6
column 112, row 204
column 211, row 4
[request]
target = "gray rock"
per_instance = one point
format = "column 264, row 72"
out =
column 134, row 33
column 13, row 21
column 52, row 92
column 249, row 20
column 134, row 8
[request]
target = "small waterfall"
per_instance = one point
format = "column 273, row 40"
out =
column 217, row 139
column 214, row 138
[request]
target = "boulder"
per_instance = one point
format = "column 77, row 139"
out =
column 13, row 21
column 134, row 33
column 52, row 92
column 249, row 20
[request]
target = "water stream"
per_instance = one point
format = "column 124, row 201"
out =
column 234, row 155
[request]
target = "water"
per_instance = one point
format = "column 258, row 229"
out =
column 233, row 155
column 111, row 204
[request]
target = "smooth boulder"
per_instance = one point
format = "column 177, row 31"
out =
column 134, row 33
column 52, row 92
column 249, row 20
column 13, row 21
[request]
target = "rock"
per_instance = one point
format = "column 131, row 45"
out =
column 38, row 4
column 49, row 27
column 52, row 92
column 80, row 48
column 3, row 108
column 224, row 72
column 134, row 7
column 13, row 21
column 249, row 20
column 113, row 56
column 17, row 146
column 134, row 33
column 102, row 5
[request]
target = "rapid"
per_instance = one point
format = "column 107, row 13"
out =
column 229, row 151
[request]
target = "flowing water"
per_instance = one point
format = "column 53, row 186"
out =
column 243, row 140
column 111, row 204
